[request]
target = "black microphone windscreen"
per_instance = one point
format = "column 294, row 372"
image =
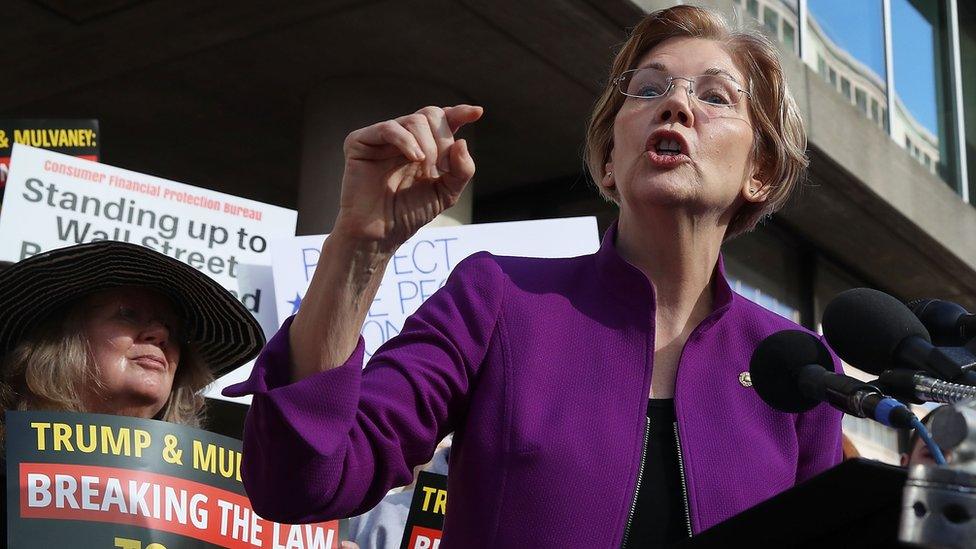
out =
column 865, row 327
column 941, row 319
column 776, row 363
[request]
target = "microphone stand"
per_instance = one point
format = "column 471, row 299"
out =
column 939, row 502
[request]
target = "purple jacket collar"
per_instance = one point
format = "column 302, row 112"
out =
column 627, row 281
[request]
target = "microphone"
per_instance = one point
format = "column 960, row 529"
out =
column 874, row 331
column 917, row 388
column 793, row 372
column 948, row 323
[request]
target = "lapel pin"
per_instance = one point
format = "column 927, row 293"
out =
column 745, row 379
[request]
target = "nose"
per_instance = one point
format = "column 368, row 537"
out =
column 676, row 105
column 155, row 332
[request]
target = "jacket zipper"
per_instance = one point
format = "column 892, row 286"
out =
column 684, row 488
column 640, row 477
column 677, row 441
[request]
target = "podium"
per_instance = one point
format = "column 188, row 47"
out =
column 855, row 504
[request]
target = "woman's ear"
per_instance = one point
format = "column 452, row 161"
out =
column 755, row 190
column 607, row 182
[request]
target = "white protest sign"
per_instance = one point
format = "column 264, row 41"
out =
column 419, row 267
column 55, row 200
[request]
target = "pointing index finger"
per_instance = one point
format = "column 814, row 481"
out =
column 459, row 115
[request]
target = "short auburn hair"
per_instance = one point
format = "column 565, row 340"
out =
column 780, row 140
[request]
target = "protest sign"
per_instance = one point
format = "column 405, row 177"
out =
column 418, row 268
column 114, row 482
column 54, row 200
column 77, row 137
column 425, row 521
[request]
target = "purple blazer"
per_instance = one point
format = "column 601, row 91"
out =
column 542, row 369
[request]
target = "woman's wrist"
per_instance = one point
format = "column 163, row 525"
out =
column 361, row 256
column 366, row 236
column 326, row 329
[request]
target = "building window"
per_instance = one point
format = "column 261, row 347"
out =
column 764, row 266
column 752, row 6
column 789, row 35
column 923, row 95
column 771, row 21
column 861, row 99
column 967, row 58
column 822, row 66
column 874, row 110
column 850, row 36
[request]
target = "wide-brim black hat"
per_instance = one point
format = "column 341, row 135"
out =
column 219, row 327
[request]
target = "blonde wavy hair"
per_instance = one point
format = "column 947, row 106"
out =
column 46, row 370
column 780, row 139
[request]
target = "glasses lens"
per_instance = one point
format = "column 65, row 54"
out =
column 647, row 83
column 716, row 91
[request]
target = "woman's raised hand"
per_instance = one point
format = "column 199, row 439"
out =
column 399, row 174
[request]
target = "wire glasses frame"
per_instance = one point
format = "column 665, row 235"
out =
column 714, row 91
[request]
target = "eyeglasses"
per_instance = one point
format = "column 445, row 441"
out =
column 716, row 93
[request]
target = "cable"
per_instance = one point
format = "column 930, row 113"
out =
column 933, row 447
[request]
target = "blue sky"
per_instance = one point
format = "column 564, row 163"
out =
column 858, row 27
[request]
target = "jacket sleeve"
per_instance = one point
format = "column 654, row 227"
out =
column 333, row 444
column 819, row 435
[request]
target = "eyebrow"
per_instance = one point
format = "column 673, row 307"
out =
column 657, row 66
column 712, row 71
column 716, row 71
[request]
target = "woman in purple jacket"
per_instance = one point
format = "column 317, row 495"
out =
column 596, row 401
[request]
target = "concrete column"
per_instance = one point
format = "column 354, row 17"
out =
column 338, row 106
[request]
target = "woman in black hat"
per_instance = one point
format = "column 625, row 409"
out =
column 116, row 328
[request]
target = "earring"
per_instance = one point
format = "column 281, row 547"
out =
column 609, row 174
column 752, row 191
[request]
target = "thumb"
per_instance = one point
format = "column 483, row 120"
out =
column 462, row 168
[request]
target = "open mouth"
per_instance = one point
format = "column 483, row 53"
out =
column 668, row 147
column 667, row 143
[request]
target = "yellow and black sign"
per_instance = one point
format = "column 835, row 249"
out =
column 77, row 137
column 108, row 482
column 425, row 521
